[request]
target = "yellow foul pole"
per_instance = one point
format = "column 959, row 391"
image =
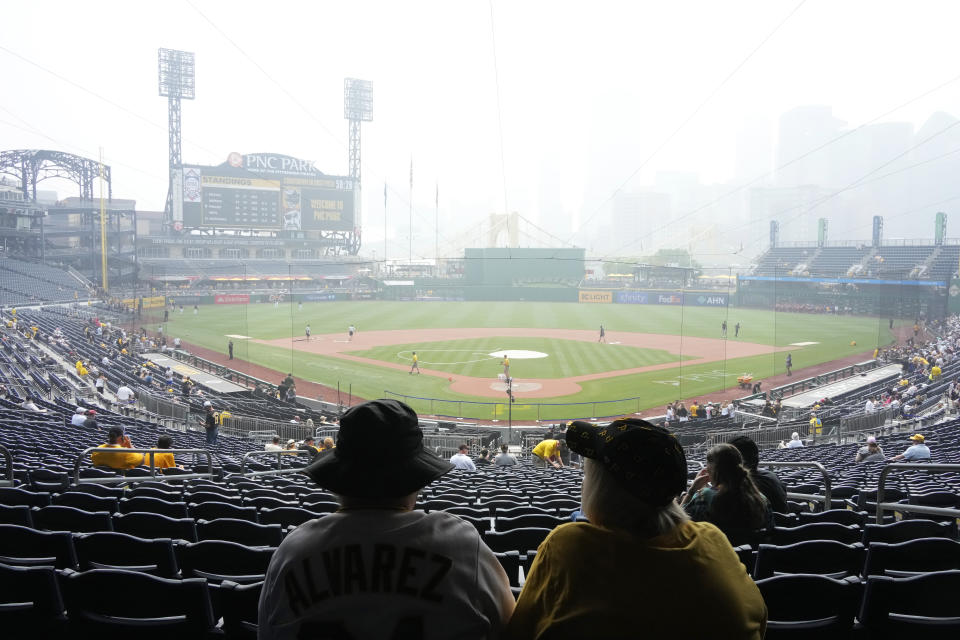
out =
column 103, row 230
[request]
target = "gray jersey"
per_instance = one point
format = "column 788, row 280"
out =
column 504, row 460
column 381, row 574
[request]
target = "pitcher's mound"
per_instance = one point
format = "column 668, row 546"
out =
column 518, row 387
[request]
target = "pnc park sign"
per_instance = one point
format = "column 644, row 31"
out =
column 272, row 164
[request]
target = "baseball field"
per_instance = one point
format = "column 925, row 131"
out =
column 650, row 355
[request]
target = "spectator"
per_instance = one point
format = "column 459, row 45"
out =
column 733, row 502
column 583, row 581
column 871, row 452
column 504, row 459
column 79, row 417
column 329, row 444
column 125, row 394
column 461, row 460
column 118, row 460
column 162, row 460
column 917, row 451
column 416, row 570
column 547, row 452
column 30, row 405
column 186, row 387
column 795, row 441
column 868, row 406
column 484, row 459
column 91, row 421
column 210, row 424
column 101, row 383
column 816, row 425
column 291, row 395
column 768, row 483
column 308, row 445
column 291, row 445
column 274, row 445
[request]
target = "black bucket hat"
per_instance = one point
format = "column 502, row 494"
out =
column 645, row 459
column 379, row 454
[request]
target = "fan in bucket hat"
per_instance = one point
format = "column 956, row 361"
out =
column 645, row 459
column 352, row 470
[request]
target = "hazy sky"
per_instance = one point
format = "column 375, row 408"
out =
column 582, row 85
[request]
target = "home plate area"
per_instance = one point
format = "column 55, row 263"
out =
column 518, row 387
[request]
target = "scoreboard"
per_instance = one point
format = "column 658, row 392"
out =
column 266, row 191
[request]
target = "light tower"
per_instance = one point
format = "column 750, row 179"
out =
column 357, row 108
column 176, row 72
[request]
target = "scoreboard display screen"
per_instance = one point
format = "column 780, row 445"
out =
column 260, row 194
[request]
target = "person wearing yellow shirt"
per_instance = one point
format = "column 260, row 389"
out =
column 116, row 460
column 162, row 460
column 816, row 425
column 547, row 453
column 935, row 372
column 583, row 581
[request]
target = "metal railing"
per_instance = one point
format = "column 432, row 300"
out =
column 280, row 470
column 8, row 460
column 912, row 508
column 153, row 470
column 811, row 497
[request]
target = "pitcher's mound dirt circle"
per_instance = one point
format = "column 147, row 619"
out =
column 518, row 387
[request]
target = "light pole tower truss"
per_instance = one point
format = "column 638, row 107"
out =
column 177, row 80
column 357, row 108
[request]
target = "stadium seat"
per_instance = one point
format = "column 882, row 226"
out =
column 216, row 510
column 472, row 512
column 482, row 525
column 905, row 559
column 219, row 560
column 30, row 599
column 907, row 530
column 49, row 481
column 522, row 540
column 239, row 603
column 287, row 516
column 94, row 489
column 154, row 525
column 139, row 605
column 820, row 557
column 268, row 503
column 510, row 561
column 122, row 551
column 240, row 531
column 23, row 546
column 141, row 491
column 86, row 501
column 14, row 496
column 924, row 605
column 154, row 505
column 320, row 505
column 62, row 518
column 19, row 514
column 522, row 511
column 840, row 516
column 809, row 606
column 847, row 534
column 529, row 520
column 210, row 496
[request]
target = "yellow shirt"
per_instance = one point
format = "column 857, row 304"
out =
column 935, row 372
column 118, row 460
column 547, row 449
column 506, row 362
column 815, row 425
column 688, row 583
column 160, row 460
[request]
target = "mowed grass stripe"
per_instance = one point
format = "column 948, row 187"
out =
column 565, row 358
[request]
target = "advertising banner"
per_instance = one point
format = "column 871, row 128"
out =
column 596, row 296
column 708, row 299
column 633, row 297
column 231, row 298
column 667, row 298
column 320, row 297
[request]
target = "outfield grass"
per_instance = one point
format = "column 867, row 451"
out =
column 565, row 358
column 833, row 335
